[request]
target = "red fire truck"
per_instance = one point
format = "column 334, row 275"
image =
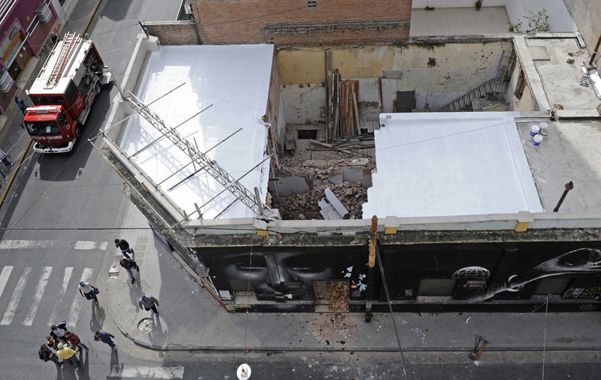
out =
column 63, row 93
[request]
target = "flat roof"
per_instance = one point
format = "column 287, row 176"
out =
column 233, row 81
column 447, row 164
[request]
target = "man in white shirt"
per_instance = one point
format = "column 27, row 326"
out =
column 88, row 290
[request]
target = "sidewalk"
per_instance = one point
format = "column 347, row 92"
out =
column 191, row 319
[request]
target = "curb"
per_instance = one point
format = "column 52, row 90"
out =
column 85, row 30
column 13, row 175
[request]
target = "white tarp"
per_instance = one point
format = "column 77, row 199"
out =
column 234, row 81
column 444, row 164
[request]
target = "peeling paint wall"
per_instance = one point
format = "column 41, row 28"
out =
column 438, row 73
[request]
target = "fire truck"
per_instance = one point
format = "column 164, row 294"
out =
column 63, row 94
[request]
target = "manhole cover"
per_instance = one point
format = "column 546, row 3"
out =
column 146, row 325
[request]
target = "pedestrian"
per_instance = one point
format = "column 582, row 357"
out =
column 67, row 353
column 128, row 264
column 149, row 302
column 58, row 332
column 89, row 291
column 74, row 340
column 5, row 159
column 20, row 104
column 51, row 342
column 46, row 354
column 123, row 245
column 104, row 337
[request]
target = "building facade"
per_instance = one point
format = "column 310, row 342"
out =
column 25, row 26
column 304, row 22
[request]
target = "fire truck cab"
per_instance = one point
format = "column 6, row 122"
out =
column 63, row 94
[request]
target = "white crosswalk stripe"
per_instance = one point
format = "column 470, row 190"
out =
column 126, row 372
column 77, row 301
column 37, row 298
column 9, row 314
column 4, row 276
column 66, row 278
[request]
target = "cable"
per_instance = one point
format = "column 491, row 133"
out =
column 396, row 331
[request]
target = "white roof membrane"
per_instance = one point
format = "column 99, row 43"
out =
column 449, row 164
column 233, row 81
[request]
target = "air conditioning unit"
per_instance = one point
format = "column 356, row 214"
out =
column 44, row 13
column 6, row 81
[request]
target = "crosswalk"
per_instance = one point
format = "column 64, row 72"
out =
column 24, row 292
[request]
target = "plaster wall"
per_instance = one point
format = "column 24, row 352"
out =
column 304, row 104
column 586, row 14
column 437, row 73
column 559, row 17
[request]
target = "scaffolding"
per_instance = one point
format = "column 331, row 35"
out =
column 199, row 158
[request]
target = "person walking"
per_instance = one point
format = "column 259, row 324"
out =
column 58, row 332
column 128, row 264
column 67, row 353
column 126, row 250
column 46, row 354
column 20, row 104
column 89, row 291
column 5, row 159
column 74, row 341
column 149, row 302
column 104, row 337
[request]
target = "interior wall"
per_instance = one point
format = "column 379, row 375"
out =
column 438, row 73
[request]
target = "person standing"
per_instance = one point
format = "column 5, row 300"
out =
column 104, row 337
column 46, row 354
column 58, row 332
column 5, row 159
column 89, row 291
column 149, row 302
column 20, row 104
column 67, row 353
column 128, row 264
column 74, row 341
column 123, row 245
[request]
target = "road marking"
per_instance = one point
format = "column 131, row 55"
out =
column 86, row 245
column 26, row 244
column 147, row 372
column 37, row 298
column 76, row 305
column 6, row 271
column 9, row 314
column 66, row 278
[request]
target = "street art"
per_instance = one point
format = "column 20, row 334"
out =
column 578, row 261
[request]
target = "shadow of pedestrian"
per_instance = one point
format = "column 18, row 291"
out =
column 98, row 316
column 115, row 366
column 59, row 372
column 84, row 369
column 135, row 292
column 158, row 334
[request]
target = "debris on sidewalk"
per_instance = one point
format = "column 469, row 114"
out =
column 480, row 344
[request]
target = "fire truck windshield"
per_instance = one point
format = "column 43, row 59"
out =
column 44, row 128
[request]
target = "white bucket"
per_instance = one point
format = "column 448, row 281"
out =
column 536, row 140
column 534, row 130
column 544, row 129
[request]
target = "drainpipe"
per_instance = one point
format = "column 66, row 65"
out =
column 569, row 186
column 371, row 263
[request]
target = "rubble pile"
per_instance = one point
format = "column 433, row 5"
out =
column 324, row 169
column 304, row 205
column 338, row 296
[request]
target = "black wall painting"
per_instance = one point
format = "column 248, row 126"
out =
column 466, row 273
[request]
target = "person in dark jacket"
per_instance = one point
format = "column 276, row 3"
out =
column 46, row 354
column 104, row 337
column 129, row 264
column 126, row 250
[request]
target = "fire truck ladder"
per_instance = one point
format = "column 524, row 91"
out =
column 70, row 41
column 217, row 172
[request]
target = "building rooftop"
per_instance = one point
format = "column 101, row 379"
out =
column 230, row 83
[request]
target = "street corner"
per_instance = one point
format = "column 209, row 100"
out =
column 150, row 331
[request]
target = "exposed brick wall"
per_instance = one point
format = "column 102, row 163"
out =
column 174, row 32
column 287, row 22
